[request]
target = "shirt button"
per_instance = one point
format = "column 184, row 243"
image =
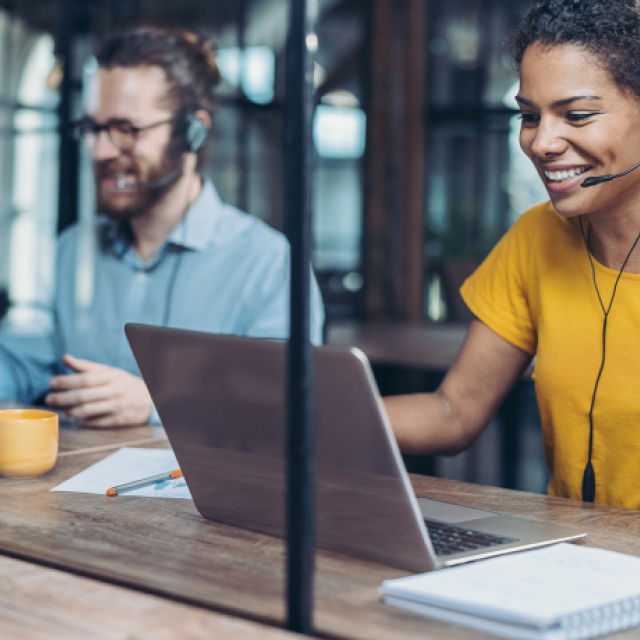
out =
column 142, row 276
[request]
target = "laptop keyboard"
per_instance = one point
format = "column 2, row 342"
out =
column 448, row 539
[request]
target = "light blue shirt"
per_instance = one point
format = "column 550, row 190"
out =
column 230, row 274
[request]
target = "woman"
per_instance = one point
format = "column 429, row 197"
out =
column 549, row 287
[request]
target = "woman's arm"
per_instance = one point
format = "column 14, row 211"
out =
column 451, row 419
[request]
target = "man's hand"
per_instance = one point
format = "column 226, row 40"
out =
column 100, row 396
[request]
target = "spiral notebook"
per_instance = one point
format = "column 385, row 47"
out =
column 556, row 593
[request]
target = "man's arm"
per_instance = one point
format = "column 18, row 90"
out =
column 27, row 361
column 447, row 421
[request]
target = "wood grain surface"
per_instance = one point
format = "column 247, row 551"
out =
column 37, row 603
column 164, row 546
column 426, row 346
column 80, row 441
column 430, row 347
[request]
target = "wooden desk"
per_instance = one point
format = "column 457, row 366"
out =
column 432, row 347
column 37, row 603
column 75, row 442
column 164, row 547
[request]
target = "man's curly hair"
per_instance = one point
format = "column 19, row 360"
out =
column 608, row 29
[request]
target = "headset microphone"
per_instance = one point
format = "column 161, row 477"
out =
column 121, row 182
column 196, row 133
column 589, row 182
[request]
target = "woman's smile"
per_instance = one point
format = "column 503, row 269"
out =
column 563, row 178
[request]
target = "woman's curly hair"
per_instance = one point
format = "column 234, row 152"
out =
column 608, row 29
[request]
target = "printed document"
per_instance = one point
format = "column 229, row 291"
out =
column 128, row 465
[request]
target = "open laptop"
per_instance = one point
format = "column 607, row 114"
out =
column 221, row 401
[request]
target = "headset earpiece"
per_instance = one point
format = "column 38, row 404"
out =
column 196, row 133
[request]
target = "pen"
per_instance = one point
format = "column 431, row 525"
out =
column 136, row 484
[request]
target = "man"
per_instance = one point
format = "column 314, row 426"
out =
column 168, row 251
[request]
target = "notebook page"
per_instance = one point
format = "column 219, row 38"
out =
column 536, row 588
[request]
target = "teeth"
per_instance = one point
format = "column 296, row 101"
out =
column 123, row 181
column 558, row 176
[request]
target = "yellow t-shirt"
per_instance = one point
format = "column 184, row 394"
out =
column 536, row 291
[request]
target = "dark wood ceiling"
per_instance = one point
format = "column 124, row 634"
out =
column 98, row 15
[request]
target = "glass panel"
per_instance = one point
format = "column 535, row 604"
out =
column 252, row 69
column 338, row 211
column 478, row 179
column 339, row 137
column 29, row 227
column 468, row 61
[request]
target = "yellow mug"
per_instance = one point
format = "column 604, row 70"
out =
column 28, row 442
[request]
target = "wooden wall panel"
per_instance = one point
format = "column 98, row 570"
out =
column 393, row 235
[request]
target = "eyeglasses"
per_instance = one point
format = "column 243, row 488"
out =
column 121, row 133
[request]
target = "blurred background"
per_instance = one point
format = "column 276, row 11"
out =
column 417, row 174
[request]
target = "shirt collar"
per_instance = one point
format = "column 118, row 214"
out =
column 199, row 228
column 197, row 231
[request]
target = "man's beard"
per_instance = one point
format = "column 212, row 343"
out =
column 133, row 201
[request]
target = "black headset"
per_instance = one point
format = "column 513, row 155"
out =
column 196, row 132
column 589, row 475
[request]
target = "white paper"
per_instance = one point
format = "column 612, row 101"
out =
column 534, row 587
column 127, row 465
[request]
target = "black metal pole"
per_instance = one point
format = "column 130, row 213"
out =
column 242, row 135
column 300, row 449
column 69, row 158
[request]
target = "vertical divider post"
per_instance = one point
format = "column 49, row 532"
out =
column 300, row 432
